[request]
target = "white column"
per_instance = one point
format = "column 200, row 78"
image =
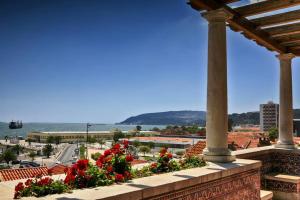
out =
column 217, row 114
column 285, row 139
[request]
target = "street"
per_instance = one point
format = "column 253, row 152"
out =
column 66, row 156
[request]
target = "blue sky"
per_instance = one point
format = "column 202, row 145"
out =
column 103, row 61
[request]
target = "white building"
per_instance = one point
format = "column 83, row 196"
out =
column 269, row 116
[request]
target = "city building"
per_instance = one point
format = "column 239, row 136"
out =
column 297, row 127
column 269, row 116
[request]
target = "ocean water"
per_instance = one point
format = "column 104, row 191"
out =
column 29, row 127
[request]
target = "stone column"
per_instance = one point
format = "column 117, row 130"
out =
column 286, row 103
column 217, row 114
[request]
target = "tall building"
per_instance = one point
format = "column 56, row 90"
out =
column 269, row 115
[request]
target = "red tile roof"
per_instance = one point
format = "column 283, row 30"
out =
column 23, row 173
column 196, row 149
column 58, row 169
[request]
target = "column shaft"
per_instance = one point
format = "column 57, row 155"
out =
column 286, row 103
column 217, row 114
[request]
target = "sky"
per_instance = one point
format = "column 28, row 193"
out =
column 104, row 61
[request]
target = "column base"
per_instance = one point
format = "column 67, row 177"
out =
column 222, row 156
column 285, row 146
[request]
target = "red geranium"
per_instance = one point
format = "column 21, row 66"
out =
column 119, row 178
column 19, row 187
column 125, row 143
column 129, row 158
column 109, row 168
column 170, row 155
column 28, row 182
column 82, row 164
column 107, row 152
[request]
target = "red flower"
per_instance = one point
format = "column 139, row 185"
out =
column 69, row 178
column 119, row 178
column 45, row 181
column 163, row 150
column 153, row 165
column 81, row 172
column 109, row 168
column 127, row 174
column 99, row 163
column 66, row 170
column 108, row 159
column 82, row 164
column 125, row 143
column 117, row 146
column 107, row 152
column 170, row 155
column 28, row 182
column 19, row 187
column 129, row 158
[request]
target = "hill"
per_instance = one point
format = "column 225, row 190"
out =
column 192, row 117
column 168, row 118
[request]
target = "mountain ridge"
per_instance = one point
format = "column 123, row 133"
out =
column 189, row 117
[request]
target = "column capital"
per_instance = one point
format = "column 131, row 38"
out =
column 218, row 15
column 285, row 56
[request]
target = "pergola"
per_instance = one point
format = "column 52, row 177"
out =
column 277, row 32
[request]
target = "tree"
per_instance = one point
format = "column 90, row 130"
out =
column 151, row 145
column 32, row 155
column 101, row 141
column 117, row 135
column 57, row 139
column 144, row 149
column 47, row 150
column 50, row 139
column 8, row 156
column 136, row 143
column 138, row 128
column 82, row 151
column 6, row 138
column 17, row 149
column 91, row 140
column 273, row 134
column 29, row 140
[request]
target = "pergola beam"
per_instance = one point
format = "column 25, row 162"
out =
column 265, row 6
column 277, row 19
column 288, row 29
column 239, row 23
column 199, row 5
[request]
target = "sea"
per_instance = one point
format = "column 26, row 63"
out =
column 30, row 127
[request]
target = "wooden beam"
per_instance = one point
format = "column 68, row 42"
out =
column 199, row 5
column 242, row 24
column 265, row 6
column 287, row 38
column 288, row 29
column 277, row 19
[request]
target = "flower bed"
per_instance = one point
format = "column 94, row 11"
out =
column 113, row 166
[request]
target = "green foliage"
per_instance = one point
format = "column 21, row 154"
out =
column 138, row 128
column 95, row 156
column 273, row 134
column 118, row 134
column 32, row 155
column 82, row 150
column 50, row 139
column 144, row 149
column 57, row 139
column 151, row 145
column 8, row 156
column 91, row 140
column 17, row 149
column 136, row 143
column 180, row 153
column 47, row 150
column 192, row 162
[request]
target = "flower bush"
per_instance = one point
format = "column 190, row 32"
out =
column 39, row 187
column 113, row 166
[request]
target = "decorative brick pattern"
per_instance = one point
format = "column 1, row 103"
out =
column 244, row 186
column 286, row 162
column 281, row 186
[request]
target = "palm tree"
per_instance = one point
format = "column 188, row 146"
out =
column 8, row 156
column 17, row 149
column 6, row 138
column 32, row 155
